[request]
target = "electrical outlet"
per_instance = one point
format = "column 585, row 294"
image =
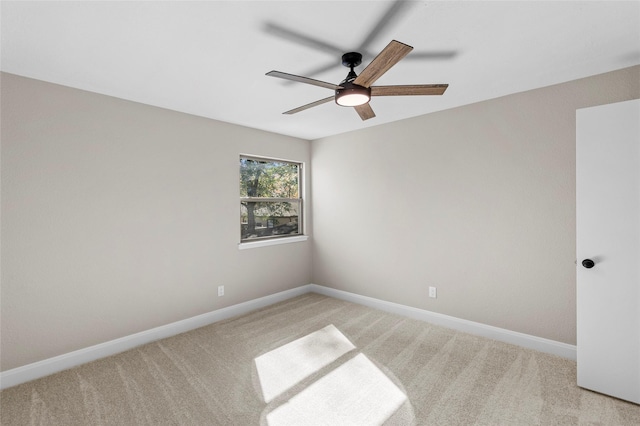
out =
column 220, row 290
column 433, row 292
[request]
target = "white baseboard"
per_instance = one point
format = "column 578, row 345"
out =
column 53, row 365
column 563, row 350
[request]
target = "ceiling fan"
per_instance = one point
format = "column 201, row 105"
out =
column 356, row 90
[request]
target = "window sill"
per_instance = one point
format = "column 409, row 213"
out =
column 274, row 242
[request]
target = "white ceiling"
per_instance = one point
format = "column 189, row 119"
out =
column 209, row 58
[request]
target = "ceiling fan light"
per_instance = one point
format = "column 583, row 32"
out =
column 352, row 95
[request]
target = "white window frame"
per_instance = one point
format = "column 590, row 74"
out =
column 277, row 239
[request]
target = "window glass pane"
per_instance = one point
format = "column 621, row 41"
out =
column 269, row 179
column 266, row 219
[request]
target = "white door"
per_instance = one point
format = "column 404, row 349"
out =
column 608, row 234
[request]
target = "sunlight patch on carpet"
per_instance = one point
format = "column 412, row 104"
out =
column 284, row 367
column 356, row 393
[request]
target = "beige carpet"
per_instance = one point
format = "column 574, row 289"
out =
column 317, row 360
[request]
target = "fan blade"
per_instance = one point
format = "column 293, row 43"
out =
column 390, row 16
column 303, row 39
column 432, row 54
column 311, row 105
column 409, row 90
column 389, row 56
column 318, row 70
column 301, row 79
column 364, row 111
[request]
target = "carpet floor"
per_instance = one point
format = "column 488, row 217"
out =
column 315, row 360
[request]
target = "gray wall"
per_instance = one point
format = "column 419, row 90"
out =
column 119, row 217
column 478, row 201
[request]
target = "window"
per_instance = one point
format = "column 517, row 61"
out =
column 270, row 199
